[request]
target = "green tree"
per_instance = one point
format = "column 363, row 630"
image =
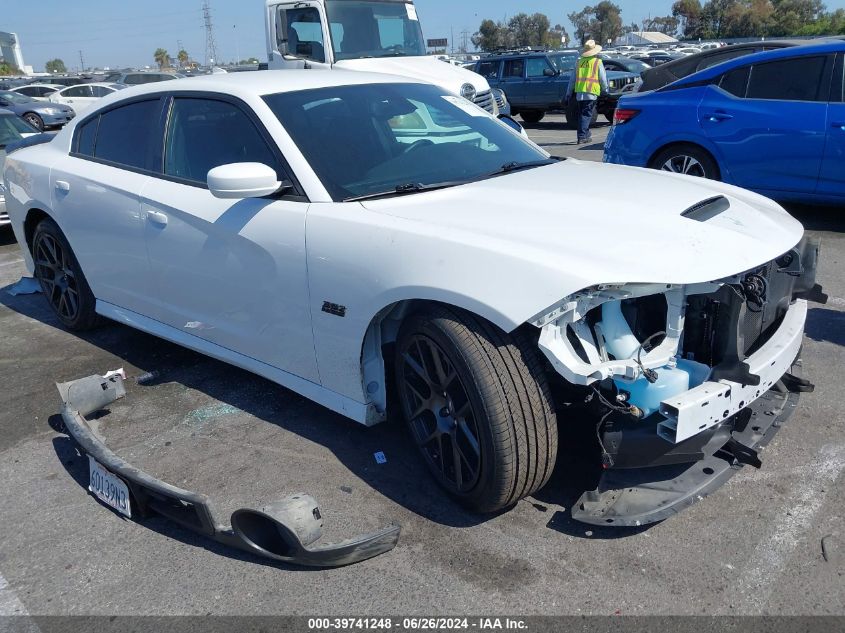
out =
column 162, row 58
column 55, row 66
column 7, row 69
column 791, row 16
column 492, row 36
column 601, row 23
column 529, row 30
column 183, row 58
column 668, row 25
column 688, row 13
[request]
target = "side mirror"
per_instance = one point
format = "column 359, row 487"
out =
column 548, row 72
column 238, row 181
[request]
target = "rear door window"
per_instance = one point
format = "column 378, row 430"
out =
column 126, row 134
column 735, row 82
column 205, row 133
column 799, row 79
column 514, row 68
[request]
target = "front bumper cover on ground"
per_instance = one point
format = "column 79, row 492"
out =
column 283, row 531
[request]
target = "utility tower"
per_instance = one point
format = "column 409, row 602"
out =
column 210, row 44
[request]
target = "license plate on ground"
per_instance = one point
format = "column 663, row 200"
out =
column 108, row 488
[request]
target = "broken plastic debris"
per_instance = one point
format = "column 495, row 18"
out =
column 26, row 286
column 116, row 372
column 148, row 378
column 381, row 458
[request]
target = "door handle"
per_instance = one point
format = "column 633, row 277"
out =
column 63, row 186
column 718, row 117
column 156, row 217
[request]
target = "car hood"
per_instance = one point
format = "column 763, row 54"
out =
column 428, row 69
column 601, row 224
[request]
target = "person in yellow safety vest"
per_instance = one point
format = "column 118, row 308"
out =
column 587, row 81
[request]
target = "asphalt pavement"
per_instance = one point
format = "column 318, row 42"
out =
column 753, row 547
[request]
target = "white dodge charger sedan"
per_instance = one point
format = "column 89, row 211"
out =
column 352, row 236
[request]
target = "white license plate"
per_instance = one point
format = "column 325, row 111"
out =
column 108, row 488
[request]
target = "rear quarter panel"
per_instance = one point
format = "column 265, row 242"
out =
column 27, row 177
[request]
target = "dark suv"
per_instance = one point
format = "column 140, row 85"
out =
column 536, row 82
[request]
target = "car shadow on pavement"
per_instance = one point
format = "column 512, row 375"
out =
column 826, row 326
column 404, row 479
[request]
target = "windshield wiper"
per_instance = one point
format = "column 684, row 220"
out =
column 404, row 190
column 508, row 168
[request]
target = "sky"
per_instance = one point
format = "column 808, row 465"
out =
column 126, row 34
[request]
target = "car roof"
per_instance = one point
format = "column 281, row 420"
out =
column 265, row 82
column 805, row 50
column 107, row 84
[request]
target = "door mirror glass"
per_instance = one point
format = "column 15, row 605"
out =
column 237, row 181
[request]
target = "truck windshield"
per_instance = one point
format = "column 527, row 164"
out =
column 374, row 28
column 391, row 139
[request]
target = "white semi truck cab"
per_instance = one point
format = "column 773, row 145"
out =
column 382, row 36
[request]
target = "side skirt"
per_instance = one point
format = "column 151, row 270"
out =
column 365, row 414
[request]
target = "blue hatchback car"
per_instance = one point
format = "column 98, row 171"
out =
column 772, row 122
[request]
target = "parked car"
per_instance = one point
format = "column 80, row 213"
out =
column 140, row 78
column 68, row 80
column 536, row 82
column 624, row 64
column 12, row 129
column 772, row 122
column 318, row 228
column 83, row 96
column 39, row 92
column 680, row 68
column 658, row 58
column 37, row 113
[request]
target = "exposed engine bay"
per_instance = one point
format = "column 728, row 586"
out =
column 675, row 370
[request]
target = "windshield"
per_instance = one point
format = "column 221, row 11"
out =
column 564, row 63
column 368, row 139
column 374, row 29
column 11, row 129
column 14, row 97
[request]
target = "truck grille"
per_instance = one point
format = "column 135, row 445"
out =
column 500, row 100
column 485, row 100
column 618, row 84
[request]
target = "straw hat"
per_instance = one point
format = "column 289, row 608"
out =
column 590, row 49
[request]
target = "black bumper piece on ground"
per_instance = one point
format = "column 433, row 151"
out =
column 635, row 497
column 282, row 531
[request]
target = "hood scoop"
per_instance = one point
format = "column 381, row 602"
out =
column 707, row 209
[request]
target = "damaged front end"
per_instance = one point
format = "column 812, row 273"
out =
column 286, row 531
column 690, row 381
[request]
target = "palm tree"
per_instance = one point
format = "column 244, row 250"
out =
column 162, row 58
column 183, row 58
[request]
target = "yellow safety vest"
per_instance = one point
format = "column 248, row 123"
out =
column 587, row 79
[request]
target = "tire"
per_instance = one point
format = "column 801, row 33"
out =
column 532, row 116
column 61, row 278
column 34, row 120
column 494, row 414
column 686, row 159
column 572, row 115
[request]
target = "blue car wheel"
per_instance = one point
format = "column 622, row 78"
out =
column 686, row 159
